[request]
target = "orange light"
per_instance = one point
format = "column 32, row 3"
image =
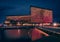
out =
column 18, row 24
column 7, row 21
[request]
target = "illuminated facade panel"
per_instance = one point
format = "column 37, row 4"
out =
column 18, row 17
column 39, row 15
column 47, row 16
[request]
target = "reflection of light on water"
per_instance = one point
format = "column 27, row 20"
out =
column 12, row 33
column 18, row 31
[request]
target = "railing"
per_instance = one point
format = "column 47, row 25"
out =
column 50, row 32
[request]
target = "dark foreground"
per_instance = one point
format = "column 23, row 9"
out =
column 52, row 38
column 44, row 39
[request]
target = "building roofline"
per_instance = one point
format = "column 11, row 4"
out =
column 40, row 7
column 16, row 15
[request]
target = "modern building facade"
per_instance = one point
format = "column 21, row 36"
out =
column 38, row 15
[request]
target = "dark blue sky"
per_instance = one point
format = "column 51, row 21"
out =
column 22, row 7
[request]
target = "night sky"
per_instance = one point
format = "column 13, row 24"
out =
column 22, row 7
